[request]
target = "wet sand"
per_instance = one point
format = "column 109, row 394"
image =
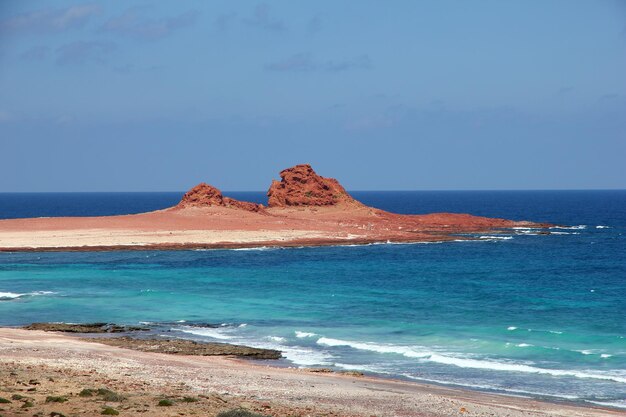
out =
column 37, row 365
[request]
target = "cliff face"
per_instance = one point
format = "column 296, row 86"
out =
column 301, row 186
column 205, row 195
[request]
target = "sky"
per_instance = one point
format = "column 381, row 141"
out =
column 402, row 95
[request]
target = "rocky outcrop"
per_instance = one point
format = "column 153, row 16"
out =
column 301, row 186
column 205, row 195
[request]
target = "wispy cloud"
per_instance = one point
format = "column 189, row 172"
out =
column 302, row 62
column 131, row 23
column 47, row 21
column 262, row 19
column 82, row 52
column 36, row 53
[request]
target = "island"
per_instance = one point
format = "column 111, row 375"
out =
column 303, row 209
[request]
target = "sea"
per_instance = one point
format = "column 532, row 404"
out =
column 518, row 313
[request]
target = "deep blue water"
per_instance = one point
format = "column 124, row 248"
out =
column 522, row 313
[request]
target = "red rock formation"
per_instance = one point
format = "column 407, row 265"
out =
column 205, row 195
column 202, row 195
column 301, row 186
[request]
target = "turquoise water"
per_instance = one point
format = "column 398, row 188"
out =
column 517, row 313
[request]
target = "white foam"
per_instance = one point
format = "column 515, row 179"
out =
column 511, row 328
column 524, row 345
column 260, row 248
column 277, row 339
column 407, row 351
column 423, row 354
column 496, row 237
column 304, row 334
column 12, row 295
column 605, row 355
column 9, row 295
column 603, row 227
column 578, row 227
column 215, row 333
column 616, row 404
column 564, row 233
column 491, row 387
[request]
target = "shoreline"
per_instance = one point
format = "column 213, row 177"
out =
column 256, row 385
column 274, row 244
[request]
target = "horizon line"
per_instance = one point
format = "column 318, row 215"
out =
column 350, row 191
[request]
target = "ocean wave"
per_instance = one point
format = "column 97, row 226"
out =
column 616, row 404
column 424, row 354
column 603, row 227
column 577, row 227
column 277, row 339
column 221, row 333
column 7, row 296
column 301, row 335
column 496, row 237
column 513, row 328
column 259, row 248
column 519, row 392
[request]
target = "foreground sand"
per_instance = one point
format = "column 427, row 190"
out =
column 38, row 365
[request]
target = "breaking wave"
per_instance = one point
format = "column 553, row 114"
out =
column 7, row 296
column 426, row 355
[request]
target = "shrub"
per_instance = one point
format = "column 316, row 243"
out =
column 165, row 403
column 17, row 397
column 190, row 400
column 87, row 392
column 4, row 401
column 54, row 399
column 28, row 404
column 108, row 411
column 108, row 395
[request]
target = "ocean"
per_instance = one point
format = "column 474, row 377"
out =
column 520, row 313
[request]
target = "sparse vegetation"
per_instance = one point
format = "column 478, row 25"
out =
column 55, row 399
column 109, row 411
column 87, row 392
column 165, row 403
column 190, row 400
column 108, row 395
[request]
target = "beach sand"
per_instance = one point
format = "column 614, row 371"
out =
column 38, row 365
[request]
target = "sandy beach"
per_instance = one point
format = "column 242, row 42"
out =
column 38, row 365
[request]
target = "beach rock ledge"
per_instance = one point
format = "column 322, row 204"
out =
column 301, row 186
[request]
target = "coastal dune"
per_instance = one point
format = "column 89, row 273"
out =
column 304, row 209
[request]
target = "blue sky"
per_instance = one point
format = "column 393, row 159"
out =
column 416, row 95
